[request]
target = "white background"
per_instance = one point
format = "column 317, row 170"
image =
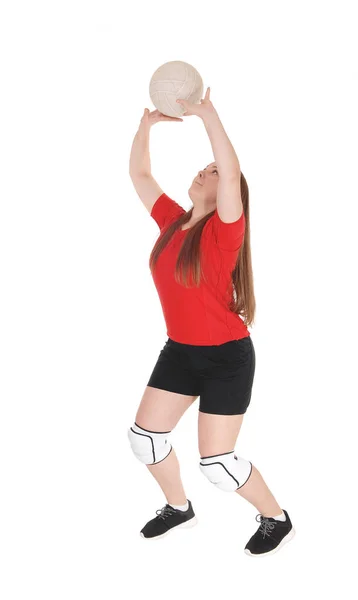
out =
column 81, row 324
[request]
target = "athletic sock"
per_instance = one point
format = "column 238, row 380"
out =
column 281, row 517
column 181, row 507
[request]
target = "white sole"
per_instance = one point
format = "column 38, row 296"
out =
column 186, row 525
column 284, row 540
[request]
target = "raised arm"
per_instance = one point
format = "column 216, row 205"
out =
column 139, row 164
column 229, row 204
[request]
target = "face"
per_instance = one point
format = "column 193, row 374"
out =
column 205, row 184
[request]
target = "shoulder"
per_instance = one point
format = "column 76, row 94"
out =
column 226, row 236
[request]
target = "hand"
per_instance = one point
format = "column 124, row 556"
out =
column 150, row 118
column 200, row 110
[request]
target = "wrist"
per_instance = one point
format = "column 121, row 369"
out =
column 210, row 115
column 143, row 130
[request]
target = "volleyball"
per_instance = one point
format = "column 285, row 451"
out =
column 173, row 80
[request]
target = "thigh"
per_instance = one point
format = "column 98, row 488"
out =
column 226, row 386
column 217, row 433
column 170, row 391
column 172, row 371
column 160, row 410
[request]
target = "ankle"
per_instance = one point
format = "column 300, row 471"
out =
column 177, row 501
column 181, row 506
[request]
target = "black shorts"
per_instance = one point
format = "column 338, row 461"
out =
column 221, row 375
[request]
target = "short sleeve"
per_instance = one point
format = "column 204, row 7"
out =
column 228, row 236
column 165, row 210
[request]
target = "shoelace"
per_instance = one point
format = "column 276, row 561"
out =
column 266, row 526
column 165, row 512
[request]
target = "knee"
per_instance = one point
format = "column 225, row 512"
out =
column 227, row 471
column 150, row 447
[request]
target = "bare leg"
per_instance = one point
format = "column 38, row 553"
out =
column 218, row 434
column 161, row 410
column 256, row 491
column 167, row 474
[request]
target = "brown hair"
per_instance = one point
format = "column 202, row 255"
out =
column 188, row 261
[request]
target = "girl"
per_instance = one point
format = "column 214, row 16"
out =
column 201, row 267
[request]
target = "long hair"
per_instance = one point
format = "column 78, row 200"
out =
column 188, row 261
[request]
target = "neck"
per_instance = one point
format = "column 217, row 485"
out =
column 200, row 209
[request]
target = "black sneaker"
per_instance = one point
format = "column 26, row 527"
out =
column 168, row 518
column 270, row 536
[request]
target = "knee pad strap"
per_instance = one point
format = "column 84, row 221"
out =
column 150, row 447
column 227, row 471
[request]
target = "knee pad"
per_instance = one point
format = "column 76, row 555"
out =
column 150, row 447
column 227, row 471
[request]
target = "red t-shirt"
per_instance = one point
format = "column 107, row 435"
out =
column 199, row 315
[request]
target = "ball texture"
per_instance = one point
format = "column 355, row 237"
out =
column 173, row 80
